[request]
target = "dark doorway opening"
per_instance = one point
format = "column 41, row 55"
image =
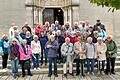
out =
column 53, row 14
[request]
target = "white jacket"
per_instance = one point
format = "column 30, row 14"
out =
column 101, row 51
column 36, row 47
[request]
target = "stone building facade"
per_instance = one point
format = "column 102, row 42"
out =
column 39, row 11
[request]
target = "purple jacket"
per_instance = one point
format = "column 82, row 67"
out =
column 52, row 52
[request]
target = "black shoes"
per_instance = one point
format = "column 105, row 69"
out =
column 49, row 75
column 65, row 75
column 71, row 74
column 56, row 75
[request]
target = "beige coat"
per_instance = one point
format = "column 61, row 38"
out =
column 79, row 49
column 101, row 51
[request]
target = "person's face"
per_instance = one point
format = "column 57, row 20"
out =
column 79, row 39
column 16, row 34
column 99, row 41
column 90, row 29
column 90, row 40
column 27, row 34
column 14, row 42
column 6, row 37
column 42, row 33
column 36, row 38
column 67, row 41
column 108, row 39
column 52, row 39
column 24, row 29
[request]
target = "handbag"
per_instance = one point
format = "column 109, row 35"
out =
column 27, row 65
column 64, row 59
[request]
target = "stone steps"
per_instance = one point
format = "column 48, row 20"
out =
column 44, row 69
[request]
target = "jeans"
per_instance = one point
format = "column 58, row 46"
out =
column 14, row 65
column 36, row 60
column 4, row 60
column 44, row 52
column 54, row 61
column 90, row 65
column 110, row 64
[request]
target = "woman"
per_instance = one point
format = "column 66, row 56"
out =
column 14, row 56
column 79, row 48
column 43, row 40
column 6, row 49
column 67, row 50
column 25, row 56
column 111, row 55
column 36, row 52
column 101, row 54
column 90, row 55
column 29, row 38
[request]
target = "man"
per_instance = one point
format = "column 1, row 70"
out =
column 67, row 50
column 79, row 48
column 99, row 25
column 111, row 55
column 90, row 55
column 52, row 46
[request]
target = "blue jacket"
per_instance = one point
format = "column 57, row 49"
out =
column 43, row 41
column 22, row 35
column 52, row 52
column 5, row 46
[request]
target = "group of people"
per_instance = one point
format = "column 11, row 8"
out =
column 80, row 43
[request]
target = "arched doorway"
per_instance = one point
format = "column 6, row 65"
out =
column 53, row 14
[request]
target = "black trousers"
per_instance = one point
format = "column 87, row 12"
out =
column 99, row 65
column 4, row 60
column 110, row 67
column 80, row 66
column 22, row 62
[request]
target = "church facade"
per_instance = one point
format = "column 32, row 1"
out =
column 52, row 10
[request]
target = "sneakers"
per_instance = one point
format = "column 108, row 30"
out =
column 88, row 73
column 4, row 70
column 35, row 69
column 38, row 68
column 92, row 73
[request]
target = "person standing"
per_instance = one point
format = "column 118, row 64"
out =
column 111, row 55
column 36, row 52
column 25, row 56
column 43, row 40
column 67, row 50
column 14, row 56
column 101, row 54
column 79, row 48
column 52, row 46
column 90, row 55
column 6, row 49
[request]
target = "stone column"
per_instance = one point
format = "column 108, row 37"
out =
column 40, row 16
column 65, row 10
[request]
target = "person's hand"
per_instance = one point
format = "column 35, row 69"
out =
column 16, row 58
column 49, row 46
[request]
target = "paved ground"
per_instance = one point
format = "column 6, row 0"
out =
column 60, row 77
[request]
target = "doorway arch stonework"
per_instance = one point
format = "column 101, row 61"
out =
column 69, row 7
